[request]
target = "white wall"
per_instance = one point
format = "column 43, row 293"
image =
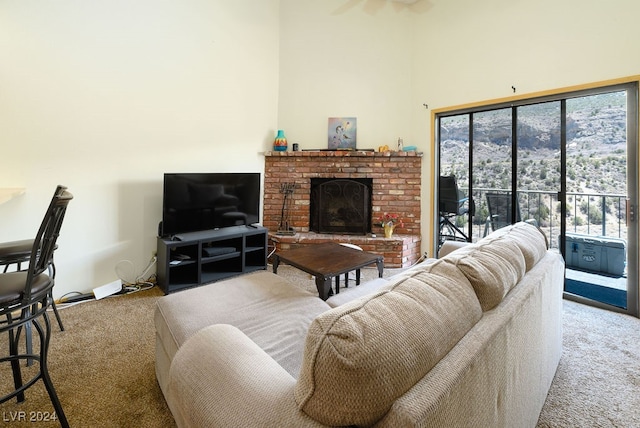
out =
column 469, row 51
column 345, row 59
column 106, row 96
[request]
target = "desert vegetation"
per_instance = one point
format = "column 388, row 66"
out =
column 596, row 164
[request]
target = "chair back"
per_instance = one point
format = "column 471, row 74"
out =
column 449, row 198
column 500, row 212
column 45, row 241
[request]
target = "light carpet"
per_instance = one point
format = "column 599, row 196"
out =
column 103, row 367
column 597, row 383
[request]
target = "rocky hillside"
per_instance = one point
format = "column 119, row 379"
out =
column 596, row 152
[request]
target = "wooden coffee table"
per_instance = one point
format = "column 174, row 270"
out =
column 328, row 261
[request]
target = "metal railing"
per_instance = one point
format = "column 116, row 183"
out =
column 593, row 214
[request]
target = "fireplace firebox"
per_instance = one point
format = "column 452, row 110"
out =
column 340, row 206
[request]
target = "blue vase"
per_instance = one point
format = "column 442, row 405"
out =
column 280, row 143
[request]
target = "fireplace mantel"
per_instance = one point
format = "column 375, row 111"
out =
column 396, row 188
column 343, row 154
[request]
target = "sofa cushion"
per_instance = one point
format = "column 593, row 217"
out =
column 279, row 306
column 492, row 266
column 361, row 356
column 529, row 238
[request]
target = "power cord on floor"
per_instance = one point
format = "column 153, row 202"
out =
column 144, row 273
column 139, row 283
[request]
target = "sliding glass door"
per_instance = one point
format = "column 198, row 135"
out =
column 492, row 172
column 566, row 163
column 597, row 234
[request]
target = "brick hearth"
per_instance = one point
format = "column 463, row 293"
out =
column 396, row 188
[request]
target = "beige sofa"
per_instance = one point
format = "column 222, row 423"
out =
column 472, row 339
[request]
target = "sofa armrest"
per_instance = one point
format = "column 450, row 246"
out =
column 220, row 377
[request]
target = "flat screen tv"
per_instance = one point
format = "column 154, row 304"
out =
column 203, row 201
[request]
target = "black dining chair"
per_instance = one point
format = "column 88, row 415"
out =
column 18, row 252
column 451, row 204
column 500, row 211
column 25, row 297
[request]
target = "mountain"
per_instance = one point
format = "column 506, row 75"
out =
column 595, row 153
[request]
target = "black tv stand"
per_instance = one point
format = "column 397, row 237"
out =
column 210, row 255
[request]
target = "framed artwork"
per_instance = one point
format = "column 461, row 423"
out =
column 342, row 133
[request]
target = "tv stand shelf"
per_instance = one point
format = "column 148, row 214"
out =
column 206, row 256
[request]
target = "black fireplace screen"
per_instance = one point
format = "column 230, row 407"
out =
column 340, row 205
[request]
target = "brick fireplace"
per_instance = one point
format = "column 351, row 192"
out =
column 396, row 178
